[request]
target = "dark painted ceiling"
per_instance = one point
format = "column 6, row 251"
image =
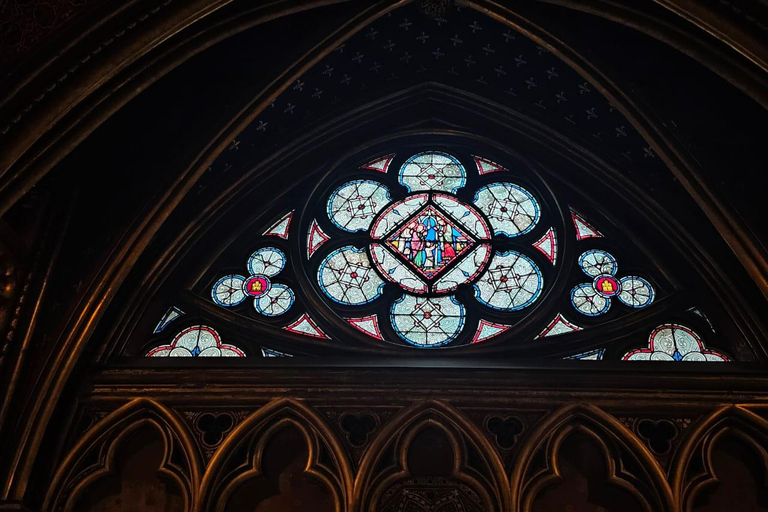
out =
column 136, row 155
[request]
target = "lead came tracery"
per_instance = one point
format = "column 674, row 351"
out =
column 438, row 250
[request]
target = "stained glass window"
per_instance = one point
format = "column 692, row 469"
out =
column 429, row 250
column 674, row 342
column 196, row 341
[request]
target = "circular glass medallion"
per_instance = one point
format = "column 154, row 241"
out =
column 275, row 302
column 511, row 209
column 597, row 262
column 512, row 282
column 432, row 170
column 587, row 301
column 606, row 285
column 256, row 286
column 353, row 205
column 267, row 261
column 228, row 291
column 347, row 277
column 636, row 292
column 427, row 321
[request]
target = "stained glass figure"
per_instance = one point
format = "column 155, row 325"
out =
column 511, row 209
column 432, row 170
column 228, row 291
column 367, row 324
column 674, row 342
column 464, row 215
column 592, row 355
column 395, row 270
column 427, row 321
column 196, row 341
column 380, row 164
column 306, row 326
column 429, row 241
column 587, row 301
column 275, row 301
column 547, row 244
column 465, row 271
column 347, row 277
column 282, row 227
column 267, row 261
column 353, row 205
column 172, row 314
column 486, row 329
column 584, row 229
column 600, row 265
column 560, row 325
column 316, row 237
column 269, row 352
column 397, row 213
column 485, row 166
column 512, row 282
column 596, row 262
column 635, row 292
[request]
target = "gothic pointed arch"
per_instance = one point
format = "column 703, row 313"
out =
column 630, row 254
column 696, row 475
column 321, row 469
column 631, row 475
column 461, row 455
column 98, row 459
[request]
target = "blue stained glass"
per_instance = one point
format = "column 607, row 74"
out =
column 228, row 290
column 636, row 292
column 353, row 205
column 592, row 355
column 512, row 282
column 267, row 261
column 172, row 314
column 597, row 262
column 432, row 170
column 427, row 321
column 346, row 276
column 275, row 302
column 512, row 210
column 588, row 302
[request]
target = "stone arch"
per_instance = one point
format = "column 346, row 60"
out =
column 94, row 456
column 539, row 465
column 398, row 436
column 326, row 461
column 694, row 470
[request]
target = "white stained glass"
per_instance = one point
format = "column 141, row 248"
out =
column 395, row 270
column 353, row 205
column 196, row 341
column 275, row 302
column 511, row 209
column 266, row 262
column 228, row 291
column 347, row 277
column 512, row 282
column 427, row 321
column 587, row 301
column 673, row 342
column 465, row 215
column 396, row 213
column 465, row 271
column 432, row 170
column 636, row 292
column 597, row 262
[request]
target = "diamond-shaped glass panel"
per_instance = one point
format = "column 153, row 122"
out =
column 430, row 241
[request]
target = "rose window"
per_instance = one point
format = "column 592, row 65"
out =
column 435, row 250
column 430, row 243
